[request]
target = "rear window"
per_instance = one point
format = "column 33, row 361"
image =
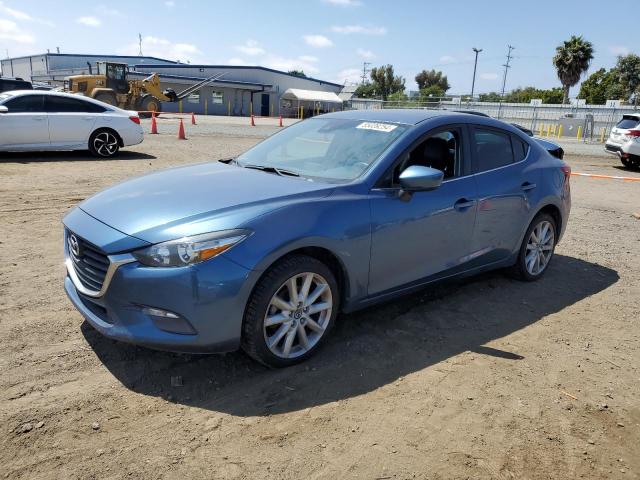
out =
column 628, row 123
column 493, row 149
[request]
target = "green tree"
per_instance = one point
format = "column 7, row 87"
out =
column 602, row 85
column 365, row 90
column 571, row 60
column 490, row 97
column 398, row 97
column 431, row 94
column 385, row 82
column 526, row 94
column 429, row 78
column 297, row 73
column 629, row 70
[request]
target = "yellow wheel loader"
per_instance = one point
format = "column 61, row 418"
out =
column 111, row 85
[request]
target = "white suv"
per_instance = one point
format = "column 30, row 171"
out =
column 624, row 140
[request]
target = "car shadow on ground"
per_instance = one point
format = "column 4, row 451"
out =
column 367, row 350
column 69, row 156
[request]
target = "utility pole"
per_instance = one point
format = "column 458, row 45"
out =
column 475, row 66
column 506, row 66
column 365, row 71
column 140, row 45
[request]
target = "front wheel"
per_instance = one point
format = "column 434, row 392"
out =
column 537, row 248
column 103, row 144
column 290, row 312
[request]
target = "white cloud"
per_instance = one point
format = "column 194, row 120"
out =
column 318, row 41
column 366, row 30
column 345, row 3
column 112, row 12
column 304, row 62
column 163, row 48
column 236, row 61
column 12, row 32
column 170, row 3
column 24, row 16
column 89, row 21
column 448, row 59
column 250, row 47
column 348, row 76
column 366, row 54
column 489, row 76
column 619, row 50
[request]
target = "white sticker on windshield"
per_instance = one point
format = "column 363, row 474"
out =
column 379, row 127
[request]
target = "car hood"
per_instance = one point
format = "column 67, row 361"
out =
column 196, row 199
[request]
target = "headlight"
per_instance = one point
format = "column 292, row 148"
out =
column 189, row 250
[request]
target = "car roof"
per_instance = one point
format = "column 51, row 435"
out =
column 408, row 116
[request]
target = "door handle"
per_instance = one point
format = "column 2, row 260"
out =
column 463, row 204
column 526, row 186
column 38, row 119
column 87, row 118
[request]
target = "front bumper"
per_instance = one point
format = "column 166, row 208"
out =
column 208, row 300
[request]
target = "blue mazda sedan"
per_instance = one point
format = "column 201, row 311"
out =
column 330, row 215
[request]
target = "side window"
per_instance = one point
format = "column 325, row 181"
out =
column 68, row 105
column 520, row 148
column 441, row 150
column 492, row 149
column 26, row 104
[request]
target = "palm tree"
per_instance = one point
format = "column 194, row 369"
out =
column 572, row 59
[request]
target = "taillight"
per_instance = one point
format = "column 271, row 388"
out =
column 135, row 119
column 633, row 133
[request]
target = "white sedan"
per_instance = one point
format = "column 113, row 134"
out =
column 35, row 120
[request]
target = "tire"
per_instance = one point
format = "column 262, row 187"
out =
column 626, row 162
column 149, row 103
column 294, row 333
column 104, row 143
column 107, row 97
column 531, row 252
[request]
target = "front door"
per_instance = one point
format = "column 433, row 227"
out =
column 264, row 105
column 430, row 232
column 24, row 126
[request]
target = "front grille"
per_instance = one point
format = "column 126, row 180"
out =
column 90, row 263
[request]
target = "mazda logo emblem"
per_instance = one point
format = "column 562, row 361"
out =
column 74, row 246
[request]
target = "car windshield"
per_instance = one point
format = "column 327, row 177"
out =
column 324, row 148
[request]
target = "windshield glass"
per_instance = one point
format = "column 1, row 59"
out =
column 324, row 148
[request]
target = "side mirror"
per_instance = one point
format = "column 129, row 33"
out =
column 3, row 109
column 417, row 178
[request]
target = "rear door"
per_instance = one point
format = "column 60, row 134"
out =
column 505, row 180
column 24, row 126
column 71, row 120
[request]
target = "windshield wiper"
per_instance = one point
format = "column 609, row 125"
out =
column 279, row 171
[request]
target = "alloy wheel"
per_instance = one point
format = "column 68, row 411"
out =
column 539, row 248
column 106, row 144
column 298, row 315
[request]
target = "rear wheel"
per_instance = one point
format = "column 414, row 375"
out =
column 107, row 97
column 537, row 248
column 149, row 104
column 104, row 143
column 290, row 312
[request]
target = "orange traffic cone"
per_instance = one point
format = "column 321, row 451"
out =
column 193, row 118
column 181, row 135
column 154, row 126
column 280, row 121
column 253, row 124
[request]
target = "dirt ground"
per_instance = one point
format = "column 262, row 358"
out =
column 486, row 378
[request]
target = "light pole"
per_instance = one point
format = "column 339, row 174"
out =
column 475, row 66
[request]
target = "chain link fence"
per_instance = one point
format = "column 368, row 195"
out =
column 584, row 122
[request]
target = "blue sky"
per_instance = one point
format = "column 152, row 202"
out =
column 330, row 39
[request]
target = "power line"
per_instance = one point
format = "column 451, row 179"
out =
column 506, row 66
column 365, row 71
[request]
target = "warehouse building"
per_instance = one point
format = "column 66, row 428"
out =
column 239, row 90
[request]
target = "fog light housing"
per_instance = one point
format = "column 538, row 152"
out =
column 169, row 321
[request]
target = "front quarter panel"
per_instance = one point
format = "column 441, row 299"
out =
column 339, row 223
